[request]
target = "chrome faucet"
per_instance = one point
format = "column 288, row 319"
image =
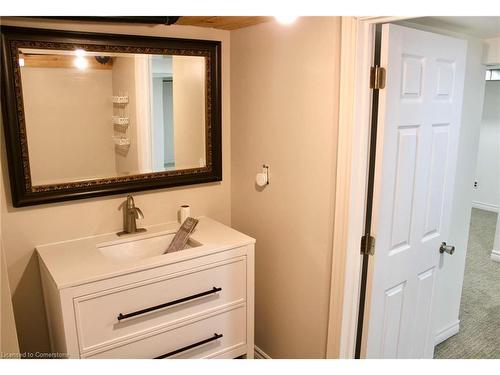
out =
column 130, row 214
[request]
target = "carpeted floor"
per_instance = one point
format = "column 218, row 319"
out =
column 479, row 335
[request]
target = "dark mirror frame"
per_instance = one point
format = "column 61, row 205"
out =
column 23, row 192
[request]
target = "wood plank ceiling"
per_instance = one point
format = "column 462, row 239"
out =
column 225, row 23
column 216, row 22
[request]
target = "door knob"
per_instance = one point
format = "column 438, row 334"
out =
column 446, row 248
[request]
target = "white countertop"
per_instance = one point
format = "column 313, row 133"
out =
column 79, row 261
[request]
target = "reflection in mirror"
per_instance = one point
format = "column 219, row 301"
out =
column 91, row 115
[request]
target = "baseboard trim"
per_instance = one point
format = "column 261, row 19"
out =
column 495, row 255
column 447, row 332
column 260, row 354
column 441, row 336
column 485, row 206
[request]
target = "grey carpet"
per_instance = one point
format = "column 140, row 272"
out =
column 479, row 335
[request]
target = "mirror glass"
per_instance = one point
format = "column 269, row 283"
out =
column 92, row 115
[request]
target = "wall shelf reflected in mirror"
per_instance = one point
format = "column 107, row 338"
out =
column 88, row 114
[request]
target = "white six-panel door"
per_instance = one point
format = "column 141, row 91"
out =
column 418, row 132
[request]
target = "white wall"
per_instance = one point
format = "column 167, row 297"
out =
column 284, row 107
column 488, row 158
column 492, row 51
column 161, row 66
column 24, row 228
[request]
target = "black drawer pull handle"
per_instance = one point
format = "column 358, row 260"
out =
column 216, row 336
column 167, row 304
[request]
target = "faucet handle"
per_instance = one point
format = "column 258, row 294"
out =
column 130, row 201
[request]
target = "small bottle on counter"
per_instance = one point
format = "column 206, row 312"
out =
column 185, row 212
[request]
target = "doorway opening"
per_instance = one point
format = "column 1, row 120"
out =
column 445, row 294
column 479, row 332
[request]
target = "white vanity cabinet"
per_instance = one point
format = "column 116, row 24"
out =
column 195, row 303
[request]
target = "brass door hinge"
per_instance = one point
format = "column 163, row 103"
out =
column 367, row 245
column 377, row 77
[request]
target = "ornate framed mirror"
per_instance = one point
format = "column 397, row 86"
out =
column 89, row 114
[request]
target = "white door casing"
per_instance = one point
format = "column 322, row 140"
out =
column 143, row 95
column 419, row 118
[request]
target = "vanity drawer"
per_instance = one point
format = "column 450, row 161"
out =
column 131, row 310
column 216, row 336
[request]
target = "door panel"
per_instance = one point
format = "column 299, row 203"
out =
column 438, row 165
column 393, row 314
column 404, row 187
column 418, row 130
column 425, row 286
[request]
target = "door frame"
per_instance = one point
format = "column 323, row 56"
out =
column 357, row 48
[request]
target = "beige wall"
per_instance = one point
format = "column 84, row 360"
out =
column 24, row 228
column 8, row 334
column 127, row 161
column 69, row 126
column 189, row 110
column 284, row 104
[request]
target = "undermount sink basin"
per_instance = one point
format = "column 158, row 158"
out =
column 130, row 249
